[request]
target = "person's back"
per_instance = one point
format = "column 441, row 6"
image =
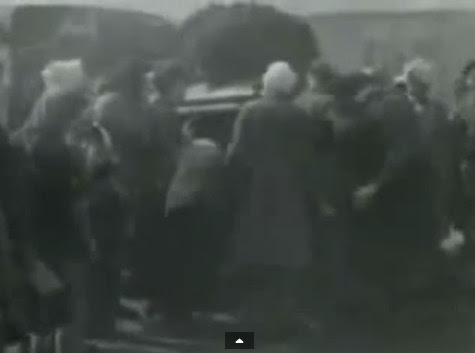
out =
column 200, row 167
column 277, row 148
column 197, row 216
column 282, row 134
column 272, row 153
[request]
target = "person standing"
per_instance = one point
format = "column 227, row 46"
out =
column 273, row 159
column 404, row 199
column 60, row 208
column 196, row 210
column 159, row 157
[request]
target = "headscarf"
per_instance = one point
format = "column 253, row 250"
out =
column 63, row 76
column 279, row 79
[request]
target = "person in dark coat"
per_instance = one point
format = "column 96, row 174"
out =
column 316, row 100
column 160, row 157
column 401, row 248
column 273, row 154
column 119, row 108
column 354, row 157
column 17, row 252
column 464, row 138
column 63, row 239
column 109, row 222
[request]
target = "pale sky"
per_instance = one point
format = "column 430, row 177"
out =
column 179, row 9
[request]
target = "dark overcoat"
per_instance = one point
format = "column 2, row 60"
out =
column 273, row 147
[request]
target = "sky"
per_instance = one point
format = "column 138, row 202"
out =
column 179, row 9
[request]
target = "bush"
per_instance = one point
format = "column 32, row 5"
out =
column 237, row 42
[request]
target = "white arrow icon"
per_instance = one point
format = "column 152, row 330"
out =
column 239, row 341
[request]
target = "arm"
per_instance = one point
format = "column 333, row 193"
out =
column 401, row 142
column 400, row 137
column 236, row 159
column 239, row 144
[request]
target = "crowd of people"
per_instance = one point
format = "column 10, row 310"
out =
column 343, row 192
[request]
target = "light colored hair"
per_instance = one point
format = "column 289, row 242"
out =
column 279, row 79
column 63, row 75
column 420, row 70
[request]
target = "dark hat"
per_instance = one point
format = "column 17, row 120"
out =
column 322, row 70
column 169, row 71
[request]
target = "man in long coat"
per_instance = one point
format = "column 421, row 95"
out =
column 273, row 152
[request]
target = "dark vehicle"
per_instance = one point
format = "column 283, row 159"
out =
column 214, row 110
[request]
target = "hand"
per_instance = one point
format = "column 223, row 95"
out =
column 363, row 196
column 452, row 244
column 327, row 210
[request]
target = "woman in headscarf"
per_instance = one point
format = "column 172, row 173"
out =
column 61, row 216
column 63, row 99
column 272, row 153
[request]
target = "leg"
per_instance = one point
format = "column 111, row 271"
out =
column 74, row 333
column 178, row 301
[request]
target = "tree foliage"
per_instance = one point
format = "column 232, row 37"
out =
column 236, row 42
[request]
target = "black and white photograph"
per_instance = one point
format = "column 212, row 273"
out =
column 198, row 176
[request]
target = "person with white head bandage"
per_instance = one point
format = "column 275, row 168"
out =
column 272, row 158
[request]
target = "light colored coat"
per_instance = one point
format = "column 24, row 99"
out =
column 198, row 179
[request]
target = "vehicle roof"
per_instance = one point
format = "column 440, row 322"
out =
column 199, row 92
column 200, row 98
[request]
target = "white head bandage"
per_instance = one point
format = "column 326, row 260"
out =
column 279, row 79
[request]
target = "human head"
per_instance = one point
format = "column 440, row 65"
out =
column 419, row 75
column 280, row 80
column 63, row 75
column 170, row 79
column 126, row 77
column 320, row 76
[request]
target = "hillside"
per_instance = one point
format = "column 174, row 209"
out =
column 178, row 10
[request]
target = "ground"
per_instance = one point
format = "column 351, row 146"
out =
column 439, row 326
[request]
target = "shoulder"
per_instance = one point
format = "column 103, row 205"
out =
column 249, row 111
column 107, row 99
column 252, row 106
column 107, row 103
column 205, row 150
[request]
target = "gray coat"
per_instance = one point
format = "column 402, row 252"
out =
column 198, row 179
column 273, row 153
